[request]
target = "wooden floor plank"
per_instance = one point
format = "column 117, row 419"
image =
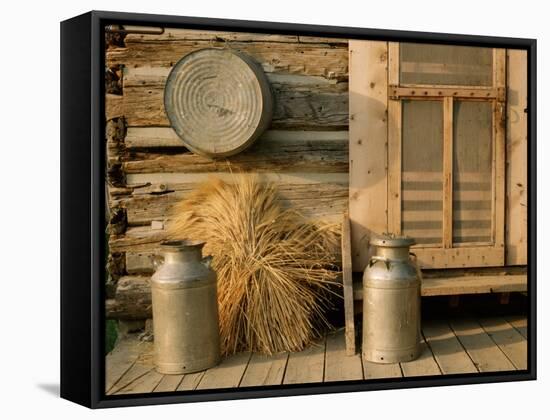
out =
column 425, row 365
column 120, row 360
column 447, row 350
column 510, row 341
column 134, row 373
column 458, row 346
column 373, row 370
column 519, row 322
column 306, row 366
column 168, row 383
column 265, row 370
column 145, row 383
column 480, row 347
column 190, row 381
column 227, row 374
column 339, row 366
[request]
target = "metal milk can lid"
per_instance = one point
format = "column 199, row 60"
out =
column 179, row 244
column 392, row 241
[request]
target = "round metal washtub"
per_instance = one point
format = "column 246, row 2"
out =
column 218, row 101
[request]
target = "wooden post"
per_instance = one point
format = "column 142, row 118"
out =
column 448, row 172
column 516, row 156
column 394, row 145
column 347, row 280
column 368, row 100
column 499, row 119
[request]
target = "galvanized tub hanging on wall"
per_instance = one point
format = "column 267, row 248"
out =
column 185, row 310
column 391, row 303
column 218, row 101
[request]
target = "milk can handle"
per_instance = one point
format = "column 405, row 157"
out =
column 157, row 260
column 374, row 259
column 207, row 261
column 416, row 266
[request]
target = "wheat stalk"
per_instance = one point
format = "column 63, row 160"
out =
column 275, row 273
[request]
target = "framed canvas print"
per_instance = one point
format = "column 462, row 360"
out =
column 253, row 209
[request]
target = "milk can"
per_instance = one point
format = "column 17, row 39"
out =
column 185, row 310
column 391, row 303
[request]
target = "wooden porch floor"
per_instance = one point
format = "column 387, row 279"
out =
column 466, row 345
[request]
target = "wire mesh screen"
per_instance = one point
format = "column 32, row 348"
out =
column 472, row 172
column 422, row 171
column 445, row 65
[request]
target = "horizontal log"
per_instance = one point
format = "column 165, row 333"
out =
column 315, row 202
column 114, row 106
column 300, row 101
column 141, row 263
column 166, row 137
column 311, row 107
column 263, row 156
column 150, row 76
column 170, row 180
column 148, row 237
column 175, row 34
column 139, row 238
column 314, row 59
column 132, row 299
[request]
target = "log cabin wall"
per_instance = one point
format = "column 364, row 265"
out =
column 305, row 151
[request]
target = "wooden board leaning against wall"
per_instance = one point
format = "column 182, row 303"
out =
column 305, row 151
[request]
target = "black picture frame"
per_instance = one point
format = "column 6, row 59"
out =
column 83, row 203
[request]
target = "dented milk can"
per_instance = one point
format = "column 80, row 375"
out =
column 391, row 303
column 185, row 310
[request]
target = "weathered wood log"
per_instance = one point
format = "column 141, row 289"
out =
column 316, row 59
column 114, row 39
column 315, row 202
column 165, row 137
column 175, row 34
column 117, row 220
column 115, row 131
column 263, row 156
column 114, row 106
column 113, row 80
column 141, row 263
column 301, row 102
column 132, row 299
column 144, row 238
column 310, row 107
column 165, row 181
column 140, row 238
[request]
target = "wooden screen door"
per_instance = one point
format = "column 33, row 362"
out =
column 443, row 150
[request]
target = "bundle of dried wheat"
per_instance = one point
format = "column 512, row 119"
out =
column 274, row 269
